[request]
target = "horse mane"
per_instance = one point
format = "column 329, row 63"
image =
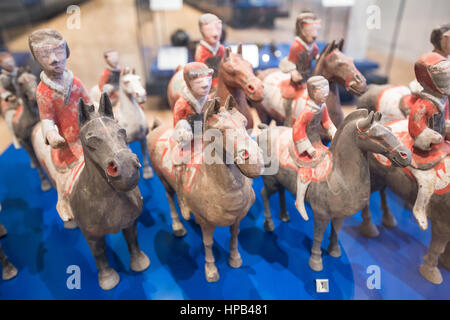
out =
column 328, row 49
column 357, row 114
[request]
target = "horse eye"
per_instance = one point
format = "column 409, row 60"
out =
column 122, row 133
column 93, row 142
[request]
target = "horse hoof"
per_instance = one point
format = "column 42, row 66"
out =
column 268, row 225
column 9, row 271
column 284, row 216
column 315, row 264
column 211, row 273
column 235, row 262
column 389, row 221
column 432, row 274
column 45, row 185
column 369, row 229
column 179, row 232
column 3, row 231
column 139, row 262
column 148, row 173
column 108, row 279
column 70, row 224
column 335, row 251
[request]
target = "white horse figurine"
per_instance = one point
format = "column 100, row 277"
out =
column 129, row 113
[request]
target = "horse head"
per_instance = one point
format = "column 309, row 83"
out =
column 334, row 65
column 130, row 83
column 104, row 145
column 237, row 72
column 229, row 125
column 372, row 136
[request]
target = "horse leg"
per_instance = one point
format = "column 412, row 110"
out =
column 9, row 271
column 265, row 194
column 429, row 268
column 138, row 259
column 235, row 260
column 45, row 184
column 108, row 278
column 177, row 226
column 388, row 219
column 284, row 214
column 147, row 170
column 367, row 227
column 315, row 260
column 3, row 231
column 211, row 273
column 444, row 259
column 333, row 248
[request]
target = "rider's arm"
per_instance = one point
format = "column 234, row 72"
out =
column 300, row 137
column 103, row 79
column 47, row 115
column 327, row 124
column 423, row 136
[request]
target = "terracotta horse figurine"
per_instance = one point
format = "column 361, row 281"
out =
column 9, row 271
column 332, row 65
column 218, row 192
column 436, row 169
column 101, row 191
column 340, row 185
column 235, row 76
column 25, row 117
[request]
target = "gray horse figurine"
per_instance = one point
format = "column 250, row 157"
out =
column 218, row 193
column 342, row 186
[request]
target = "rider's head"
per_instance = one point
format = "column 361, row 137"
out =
column 307, row 26
column 318, row 89
column 440, row 39
column 198, row 78
column 7, row 61
column 433, row 73
column 112, row 58
column 50, row 50
column 210, row 28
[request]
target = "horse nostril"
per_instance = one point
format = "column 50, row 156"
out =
column 112, row 169
column 251, row 88
column 138, row 164
column 403, row 155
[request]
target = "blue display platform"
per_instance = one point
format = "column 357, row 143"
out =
column 275, row 265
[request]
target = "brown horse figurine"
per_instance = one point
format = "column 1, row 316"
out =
column 218, row 193
column 333, row 65
column 236, row 78
column 341, row 186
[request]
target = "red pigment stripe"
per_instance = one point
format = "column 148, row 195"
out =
column 74, row 176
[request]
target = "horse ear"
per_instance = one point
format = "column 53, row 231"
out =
column 364, row 124
column 105, row 106
column 377, row 116
column 83, row 112
column 226, row 56
column 333, row 45
column 230, row 103
column 341, row 44
column 239, row 49
column 212, row 107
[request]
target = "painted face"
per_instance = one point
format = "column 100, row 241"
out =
column 52, row 59
column 441, row 76
column 212, row 32
column 113, row 59
column 445, row 43
column 320, row 94
column 8, row 64
column 309, row 31
column 200, row 86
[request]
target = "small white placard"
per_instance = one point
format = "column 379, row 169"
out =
column 322, row 286
column 171, row 57
column 338, row 3
column 250, row 52
column 164, row 5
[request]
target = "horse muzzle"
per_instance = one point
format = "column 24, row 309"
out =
column 401, row 157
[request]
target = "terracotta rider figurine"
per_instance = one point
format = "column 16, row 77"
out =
column 110, row 79
column 188, row 109
column 57, row 96
column 301, row 54
column 426, row 122
column 9, row 91
column 307, row 128
column 210, row 51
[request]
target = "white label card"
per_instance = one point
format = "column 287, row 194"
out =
column 171, row 57
column 163, row 5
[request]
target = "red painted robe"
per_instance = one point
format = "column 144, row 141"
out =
column 108, row 76
column 297, row 48
column 61, row 106
column 426, row 114
column 204, row 52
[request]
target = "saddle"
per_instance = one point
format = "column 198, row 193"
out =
column 290, row 90
column 67, row 157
